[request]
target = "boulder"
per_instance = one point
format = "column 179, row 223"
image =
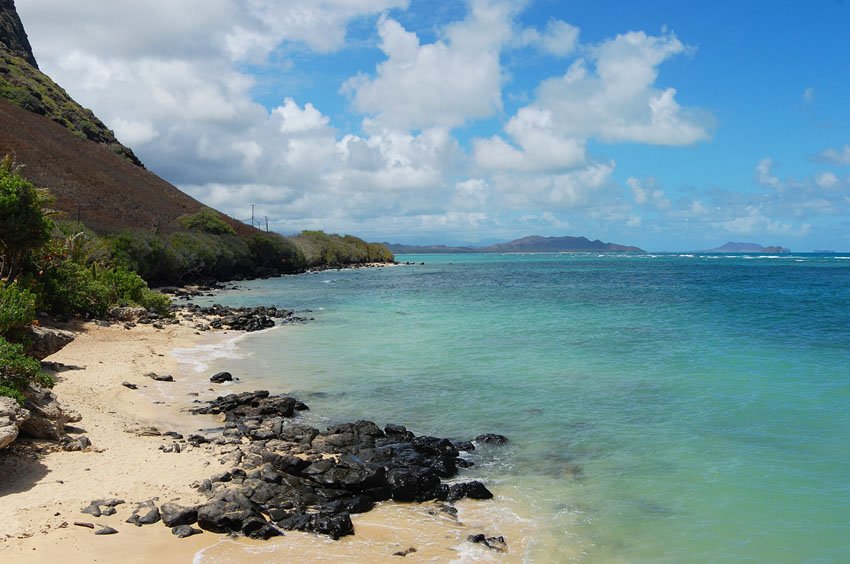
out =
column 491, row 439
column 45, row 341
column 145, row 513
column 48, row 418
column 12, row 416
column 174, row 515
column 183, row 531
column 221, row 377
column 127, row 313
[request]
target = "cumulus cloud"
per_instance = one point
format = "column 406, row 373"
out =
column 174, row 80
column 445, row 83
column 608, row 95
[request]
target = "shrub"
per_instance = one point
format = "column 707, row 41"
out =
column 23, row 225
column 74, row 289
column 268, row 251
column 128, row 288
column 206, row 221
column 17, row 310
column 321, row 249
column 18, row 371
column 144, row 253
column 90, row 290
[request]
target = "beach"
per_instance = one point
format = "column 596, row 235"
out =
column 44, row 489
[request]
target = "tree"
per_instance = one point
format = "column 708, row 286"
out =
column 23, row 224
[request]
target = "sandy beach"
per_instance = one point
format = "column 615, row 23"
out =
column 43, row 490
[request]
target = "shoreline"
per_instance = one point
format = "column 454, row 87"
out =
column 42, row 490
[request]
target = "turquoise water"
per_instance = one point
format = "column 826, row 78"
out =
column 662, row 408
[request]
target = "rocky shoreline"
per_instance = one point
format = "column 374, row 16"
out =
column 281, row 475
column 278, row 474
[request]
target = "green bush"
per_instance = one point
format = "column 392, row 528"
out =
column 127, row 288
column 321, row 249
column 91, row 290
column 206, row 221
column 18, row 371
column 23, row 225
column 17, row 310
column 268, row 251
column 144, row 253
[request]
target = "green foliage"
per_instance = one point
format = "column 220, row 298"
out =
column 18, row 371
column 206, row 221
column 203, row 255
column 197, row 255
column 273, row 252
column 321, row 249
column 143, row 253
column 91, row 290
column 23, row 225
column 17, row 310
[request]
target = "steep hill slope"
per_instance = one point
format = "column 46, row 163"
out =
column 23, row 84
column 12, row 34
column 109, row 193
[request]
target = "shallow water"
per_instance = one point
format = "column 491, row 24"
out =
column 661, row 408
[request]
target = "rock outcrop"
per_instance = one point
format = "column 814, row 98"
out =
column 47, row 417
column 288, row 476
column 12, row 33
column 12, row 416
column 45, row 341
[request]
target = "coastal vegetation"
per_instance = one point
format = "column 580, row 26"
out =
column 321, row 249
column 63, row 268
column 53, row 269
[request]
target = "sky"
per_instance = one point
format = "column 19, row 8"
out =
column 666, row 125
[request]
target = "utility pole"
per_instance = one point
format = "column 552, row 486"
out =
column 267, row 224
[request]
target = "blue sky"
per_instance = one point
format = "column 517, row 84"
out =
column 666, row 125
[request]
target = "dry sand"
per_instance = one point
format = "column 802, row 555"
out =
column 42, row 491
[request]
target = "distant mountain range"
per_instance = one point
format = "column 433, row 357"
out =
column 731, row 247
column 532, row 244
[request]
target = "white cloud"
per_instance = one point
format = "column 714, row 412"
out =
column 755, row 222
column 838, row 157
column 649, row 194
column 765, row 176
column 295, row 120
column 608, row 95
column 553, row 192
column 827, row 180
column 134, row 133
column 445, row 83
column 559, row 38
column 174, row 81
column 470, row 194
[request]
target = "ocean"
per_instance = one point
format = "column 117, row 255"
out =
column 660, row 407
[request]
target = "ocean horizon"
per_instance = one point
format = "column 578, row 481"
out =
column 661, row 407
